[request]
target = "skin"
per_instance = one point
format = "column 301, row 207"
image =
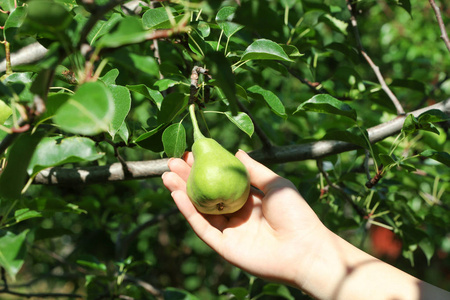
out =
column 278, row 237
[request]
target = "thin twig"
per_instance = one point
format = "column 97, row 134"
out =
column 444, row 35
column 373, row 181
column 8, row 58
column 266, row 143
column 158, row 294
column 313, row 86
column 375, row 68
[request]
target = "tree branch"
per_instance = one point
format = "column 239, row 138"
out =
column 444, row 35
column 27, row 55
column 98, row 174
column 40, row 295
column 283, row 154
column 375, row 68
column 321, row 149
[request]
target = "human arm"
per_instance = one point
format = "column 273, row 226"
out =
column 277, row 236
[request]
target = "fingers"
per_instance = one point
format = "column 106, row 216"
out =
column 202, row 227
column 173, row 182
column 180, row 167
column 262, row 177
column 188, row 157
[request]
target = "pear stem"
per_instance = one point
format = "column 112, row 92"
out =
column 197, row 133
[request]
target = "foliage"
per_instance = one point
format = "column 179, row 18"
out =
column 269, row 76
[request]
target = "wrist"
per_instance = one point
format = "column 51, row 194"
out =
column 339, row 270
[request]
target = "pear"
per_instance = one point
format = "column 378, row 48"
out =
column 218, row 182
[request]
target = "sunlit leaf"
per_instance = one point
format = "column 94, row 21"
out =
column 129, row 31
column 89, row 111
column 270, row 98
column 174, row 140
column 153, row 95
column 327, row 104
column 242, row 121
column 265, row 49
column 122, row 105
column 224, row 19
column 25, row 214
column 54, row 151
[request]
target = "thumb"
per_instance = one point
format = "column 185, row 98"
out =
column 262, row 177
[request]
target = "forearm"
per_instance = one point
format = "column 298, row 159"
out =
column 339, row 270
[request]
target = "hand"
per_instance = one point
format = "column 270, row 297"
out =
column 277, row 236
column 274, row 230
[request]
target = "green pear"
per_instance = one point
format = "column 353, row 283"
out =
column 218, row 182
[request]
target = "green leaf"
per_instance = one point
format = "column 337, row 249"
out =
column 198, row 45
column 278, row 290
column 387, row 160
column 150, row 133
column 47, row 16
column 336, row 24
column 12, row 252
column 291, row 50
column 172, row 105
column 129, row 31
column 25, row 214
column 103, row 27
column 54, row 102
column 220, row 70
column 242, row 121
column 95, row 265
column 432, row 116
column 89, row 111
column 424, row 122
column 428, row 248
column 239, row 293
column 145, row 63
column 13, row 177
column 110, row 77
column 55, row 151
column 164, row 84
column 265, row 49
column 270, row 98
column 8, row 5
column 327, row 104
column 157, row 18
column 410, row 125
column 174, row 140
column 154, row 96
column 407, row 167
column 442, row 157
column 122, row 106
column 224, row 18
column 178, row 294
column 5, row 112
column 13, row 23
